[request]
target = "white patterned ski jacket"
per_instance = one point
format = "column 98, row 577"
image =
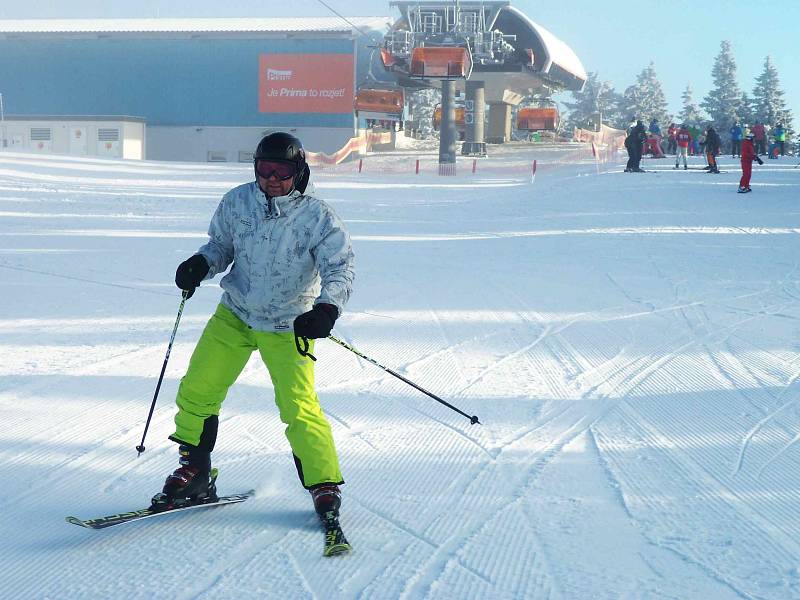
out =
column 288, row 253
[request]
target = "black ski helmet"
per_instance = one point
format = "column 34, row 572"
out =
column 284, row 147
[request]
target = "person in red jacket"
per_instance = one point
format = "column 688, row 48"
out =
column 748, row 156
column 683, row 138
column 760, row 138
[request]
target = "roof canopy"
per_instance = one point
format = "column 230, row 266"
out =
column 226, row 25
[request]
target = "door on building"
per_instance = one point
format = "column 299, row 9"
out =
column 78, row 143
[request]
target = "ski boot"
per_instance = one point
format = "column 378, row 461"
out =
column 194, row 482
column 327, row 500
column 744, row 190
column 685, row 167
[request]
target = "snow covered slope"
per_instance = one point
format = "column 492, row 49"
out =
column 631, row 343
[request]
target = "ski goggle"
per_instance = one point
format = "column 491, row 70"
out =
column 281, row 170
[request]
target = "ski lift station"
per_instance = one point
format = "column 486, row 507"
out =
column 209, row 89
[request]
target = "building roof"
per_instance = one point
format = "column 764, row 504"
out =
column 199, row 25
column 558, row 52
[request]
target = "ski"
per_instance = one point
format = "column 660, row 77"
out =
column 335, row 541
column 145, row 513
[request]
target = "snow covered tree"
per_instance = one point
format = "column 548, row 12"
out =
column 421, row 105
column 768, row 102
column 746, row 112
column 723, row 101
column 645, row 99
column 598, row 97
column 689, row 114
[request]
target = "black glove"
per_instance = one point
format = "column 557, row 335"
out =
column 190, row 273
column 316, row 323
column 761, row 162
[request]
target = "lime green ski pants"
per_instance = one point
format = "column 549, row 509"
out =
column 219, row 357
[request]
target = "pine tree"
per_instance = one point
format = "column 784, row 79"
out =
column 746, row 112
column 768, row 102
column 722, row 102
column 421, row 106
column 596, row 98
column 645, row 99
column 690, row 114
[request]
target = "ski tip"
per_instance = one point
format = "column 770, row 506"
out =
column 76, row 521
column 337, row 550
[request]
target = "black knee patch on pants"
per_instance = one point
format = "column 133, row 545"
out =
column 209, row 436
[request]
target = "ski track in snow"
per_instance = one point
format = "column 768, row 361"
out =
column 636, row 391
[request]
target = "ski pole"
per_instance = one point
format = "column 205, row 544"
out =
column 473, row 419
column 140, row 448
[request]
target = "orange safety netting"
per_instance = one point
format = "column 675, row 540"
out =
column 361, row 144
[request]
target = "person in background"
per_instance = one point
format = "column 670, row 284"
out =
column 654, row 128
column 683, row 139
column 760, row 138
column 780, row 138
column 748, row 156
column 671, row 144
column 291, row 273
column 694, row 145
column 712, row 145
column 745, row 131
column 736, row 140
column 634, row 144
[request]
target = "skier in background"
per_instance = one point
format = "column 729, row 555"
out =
column 683, row 139
column 634, row 144
column 748, row 156
column 780, row 138
column 712, row 145
column 671, row 144
column 760, row 138
column 736, row 141
column 291, row 275
column 694, row 145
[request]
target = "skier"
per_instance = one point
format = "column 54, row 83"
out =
column 292, row 270
column 736, row 140
column 634, row 145
column 748, row 156
column 712, row 145
column 780, row 138
column 683, row 138
column 671, row 144
column 760, row 138
column 638, row 137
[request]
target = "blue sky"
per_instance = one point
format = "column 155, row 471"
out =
column 615, row 38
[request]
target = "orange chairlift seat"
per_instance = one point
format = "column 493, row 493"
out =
column 440, row 62
column 437, row 117
column 384, row 104
column 537, row 119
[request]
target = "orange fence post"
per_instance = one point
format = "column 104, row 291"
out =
column 360, row 164
column 474, row 164
column 417, row 167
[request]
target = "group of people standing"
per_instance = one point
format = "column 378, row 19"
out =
column 759, row 132
column 684, row 140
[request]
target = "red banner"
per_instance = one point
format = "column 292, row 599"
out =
column 302, row 83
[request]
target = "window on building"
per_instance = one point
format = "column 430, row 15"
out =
column 107, row 135
column 40, row 134
column 245, row 156
column 217, row 156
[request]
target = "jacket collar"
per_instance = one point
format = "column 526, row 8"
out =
column 276, row 205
